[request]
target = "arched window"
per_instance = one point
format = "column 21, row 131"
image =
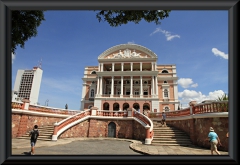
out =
column 165, row 82
column 92, row 93
column 166, row 109
column 90, row 106
column 93, row 72
column 165, row 93
column 164, row 71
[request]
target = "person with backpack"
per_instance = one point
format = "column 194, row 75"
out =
column 34, row 135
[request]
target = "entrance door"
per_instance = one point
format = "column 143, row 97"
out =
column 112, row 130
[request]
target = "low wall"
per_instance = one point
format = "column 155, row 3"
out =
column 99, row 128
column 23, row 121
column 198, row 129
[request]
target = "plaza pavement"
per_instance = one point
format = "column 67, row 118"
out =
column 18, row 145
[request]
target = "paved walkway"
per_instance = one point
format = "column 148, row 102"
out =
column 98, row 146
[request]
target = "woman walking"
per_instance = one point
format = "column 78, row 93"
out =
column 214, row 140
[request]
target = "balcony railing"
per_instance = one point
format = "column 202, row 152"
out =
column 217, row 106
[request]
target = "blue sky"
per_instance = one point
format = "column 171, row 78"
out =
column 68, row 41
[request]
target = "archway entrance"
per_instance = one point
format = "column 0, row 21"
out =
column 136, row 106
column 146, row 108
column 115, row 106
column 112, row 129
column 105, row 106
column 125, row 106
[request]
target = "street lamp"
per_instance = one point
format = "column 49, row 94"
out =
column 46, row 102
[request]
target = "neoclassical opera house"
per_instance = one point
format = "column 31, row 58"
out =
column 127, row 76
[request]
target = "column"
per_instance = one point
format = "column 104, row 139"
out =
column 112, row 89
column 101, row 67
column 97, row 86
column 141, row 87
column 100, row 86
column 152, row 67
column 153, row 90
column 131, row 66
column 113, row 67
column 156, row 86
column 131, row 89
column 140, row 66
column 121, row 95
column 122, row 66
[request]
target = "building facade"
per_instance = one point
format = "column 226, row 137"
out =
column 128, row 77
column 27, row 85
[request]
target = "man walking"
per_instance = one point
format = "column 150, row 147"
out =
column 34, row 135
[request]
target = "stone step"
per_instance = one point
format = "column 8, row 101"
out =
column 169, row 133
column 45, row 133
column 175, row 144
column 168, row 142
column 166, row 139
column 159, row 131
column 172, row 137
column 39, row 138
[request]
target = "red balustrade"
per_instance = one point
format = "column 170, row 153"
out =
column 217, row 106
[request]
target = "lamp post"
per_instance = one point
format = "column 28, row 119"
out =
column 46, row 102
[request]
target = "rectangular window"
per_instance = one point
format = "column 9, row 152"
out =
column 127, row 93
column 145, row 93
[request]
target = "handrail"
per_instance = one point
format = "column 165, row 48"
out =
column 60, row 127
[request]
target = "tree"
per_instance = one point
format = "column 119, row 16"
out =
column 24, row 26
column 223, row 97
column 223, row 106
column 118, row 17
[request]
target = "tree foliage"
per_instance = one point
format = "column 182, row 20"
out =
column 223, row 97
column 24, row 26
column 25, row 23
column 118, row 17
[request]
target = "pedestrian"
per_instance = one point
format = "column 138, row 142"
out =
column 34, row 135
column 66, row 106
column 214, row 140
column 163, row 119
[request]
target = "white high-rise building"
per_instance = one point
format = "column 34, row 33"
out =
column 27, row 85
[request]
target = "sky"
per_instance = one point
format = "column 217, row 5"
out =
column 68, row 41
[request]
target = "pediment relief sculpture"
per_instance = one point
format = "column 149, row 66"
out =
column 127, row 53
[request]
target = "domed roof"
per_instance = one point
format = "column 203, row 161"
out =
column 127, row 51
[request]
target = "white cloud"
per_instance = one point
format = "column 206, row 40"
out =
column 190, row 95
column 194, row 85
column 186, row 83
column 217, row 52
column 167, row 34
column 13, row 57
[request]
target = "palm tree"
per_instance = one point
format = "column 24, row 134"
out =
column 223, row 97
column 224, row 106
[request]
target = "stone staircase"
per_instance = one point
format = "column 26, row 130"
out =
column 169, row 136
column 45, row 133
